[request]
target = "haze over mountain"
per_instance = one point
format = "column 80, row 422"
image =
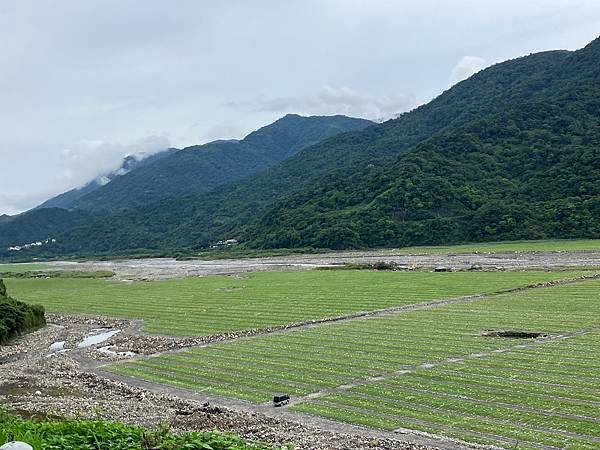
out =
column 130, row 162
column 510, row 153
column 173, row 173
column 200, row 168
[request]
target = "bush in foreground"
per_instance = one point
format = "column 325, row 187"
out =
column 57, row 434
column 17, row 317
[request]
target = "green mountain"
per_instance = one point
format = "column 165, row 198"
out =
column 529, row 170
column 201, row 168
column 510, row 153
column 168, row 175
column 66, row 200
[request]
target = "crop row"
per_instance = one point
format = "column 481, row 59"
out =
column 505, row 406
column 197, row 306
column 345, row 352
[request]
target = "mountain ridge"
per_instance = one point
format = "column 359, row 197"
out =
column 200, row 168
column 347, row 191
column 66, row 199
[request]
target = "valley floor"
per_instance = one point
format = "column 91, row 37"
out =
column 372, row 359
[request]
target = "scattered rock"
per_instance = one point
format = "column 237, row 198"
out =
column 16, row 445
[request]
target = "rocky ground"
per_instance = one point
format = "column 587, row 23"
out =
column 165, row 268
column 36, row 381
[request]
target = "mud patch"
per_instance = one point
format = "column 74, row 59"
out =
column 513, row 334
column 229, row 289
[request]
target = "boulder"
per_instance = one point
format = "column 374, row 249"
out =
column 16, row 445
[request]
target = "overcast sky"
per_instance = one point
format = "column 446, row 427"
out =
column 83, row 82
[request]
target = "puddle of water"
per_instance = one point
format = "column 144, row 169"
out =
column 57, row 346
column 107, row 351
column 97, row 338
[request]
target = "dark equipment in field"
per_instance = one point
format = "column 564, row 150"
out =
column 281, row 399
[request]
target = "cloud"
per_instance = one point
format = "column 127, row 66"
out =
column 467, row 66
column 89, row 159
column 78, row 164
column 15, row 202
column 330, row 100
column 222, row 130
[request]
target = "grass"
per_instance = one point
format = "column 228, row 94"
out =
column 16, row 268
column 427, row 370
column 492, row 396
column 67, row 434
column 201, row 306
column 506, row 247
column 336, row 354
column 545, row 394
column 555, row 245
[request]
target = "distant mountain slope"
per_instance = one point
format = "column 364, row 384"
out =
column 67, row 199
column 510, row 153
column 40, row 224
column 199, row 169
column 171, row 174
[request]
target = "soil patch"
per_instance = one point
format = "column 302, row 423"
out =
column 513, row 334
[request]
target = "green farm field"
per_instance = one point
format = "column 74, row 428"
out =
column 428, row 370
column 547, row 245
column 201, row 306
column 26, row 267
column 558, row 245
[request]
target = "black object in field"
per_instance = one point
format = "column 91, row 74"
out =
column 281, row 399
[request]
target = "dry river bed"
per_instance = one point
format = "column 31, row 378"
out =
column 164, row 268
column 47, row 373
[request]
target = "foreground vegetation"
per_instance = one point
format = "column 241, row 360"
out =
column 199, row 306
column 17, row 317
column 68, row 434
column 428, row 370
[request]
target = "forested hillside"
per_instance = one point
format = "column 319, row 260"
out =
column 198, row 169
column 172, row 175
column 510, row 153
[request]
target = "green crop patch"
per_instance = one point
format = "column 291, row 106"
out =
column 201, row 306
column 495, row 400
column 555, row 245
column 428, row 370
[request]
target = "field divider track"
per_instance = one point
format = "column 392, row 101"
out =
column 412, row 436
column 431, row 365
column 208, row 340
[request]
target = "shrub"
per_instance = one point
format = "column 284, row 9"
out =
column 17, row 317
column 67, row 434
